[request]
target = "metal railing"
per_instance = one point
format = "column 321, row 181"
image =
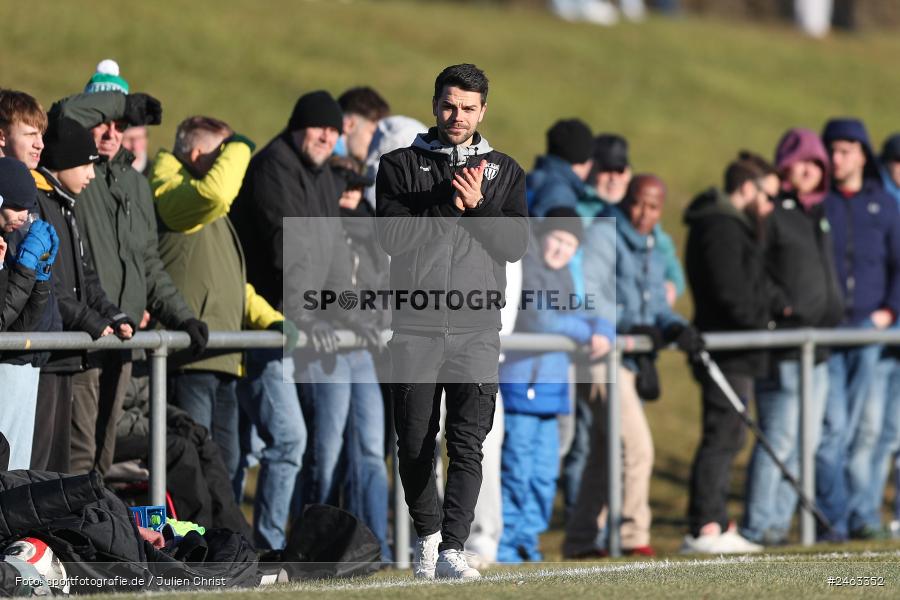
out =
column 160, row 343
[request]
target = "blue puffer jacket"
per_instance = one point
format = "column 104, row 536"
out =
column 537, row 383
column 637, row 285
column 865, row 231
column 552, row 183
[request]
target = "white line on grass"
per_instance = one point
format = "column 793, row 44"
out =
column 659, row 565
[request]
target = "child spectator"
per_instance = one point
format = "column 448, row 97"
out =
column 535, row 388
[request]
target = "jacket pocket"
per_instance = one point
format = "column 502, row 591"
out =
column 487, row 400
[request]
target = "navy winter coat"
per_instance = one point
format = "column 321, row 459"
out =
column 865, row 230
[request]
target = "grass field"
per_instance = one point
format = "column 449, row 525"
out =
column 794, row 577
column 688, row 93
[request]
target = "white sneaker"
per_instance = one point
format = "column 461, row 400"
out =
column 426, row 556
column 452, row 564
column 732, row 542
column 702, row 544
column 599, row 12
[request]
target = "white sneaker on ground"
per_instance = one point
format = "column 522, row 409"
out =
column 702, row 544
column 452, row 564
column 426, row 556
column 712, row 540
column 732, row 542
column 599, row 12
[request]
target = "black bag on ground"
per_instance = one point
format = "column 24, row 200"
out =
column 327, row 542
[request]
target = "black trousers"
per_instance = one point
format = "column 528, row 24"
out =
column 52, row 423
column 465, row 367
column 723, row 437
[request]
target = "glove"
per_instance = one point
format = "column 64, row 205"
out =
column 42, row 273
column 370, row 333
column 199, row 333
column 687, row 338
column 290, row 332
column 142, row 109
column 122, row 319
column 655, row 335
column 36, row 244
column 323, row 337
column 237, row 137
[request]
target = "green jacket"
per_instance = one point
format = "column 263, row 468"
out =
column 200, row 248
column 115, row 213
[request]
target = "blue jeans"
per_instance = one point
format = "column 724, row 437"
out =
column 530, row 466
column 339, row 412
column 20, row 387
column 367, row 483
column 211, row 400
column 770, row 498
column 272, row 407
column 851, row 372
column 866, row 508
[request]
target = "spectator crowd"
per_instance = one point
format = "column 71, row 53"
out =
column 98, row 238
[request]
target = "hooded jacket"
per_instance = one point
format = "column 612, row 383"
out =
column 727, row 276
column 115, row 213
column 81, row 303
column 200, row 249
column 865, row 231
column 798, row 246
column 552, row 183
column 449, row 250
column 637, row 283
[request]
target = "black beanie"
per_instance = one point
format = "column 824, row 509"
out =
column 562, row 218
column 17, row 188
column 316, row 109
column 68, row 145
column 571, row 140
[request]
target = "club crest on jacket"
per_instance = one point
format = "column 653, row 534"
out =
column 491, row 170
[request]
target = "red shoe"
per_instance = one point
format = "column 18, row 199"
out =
column 640, row 551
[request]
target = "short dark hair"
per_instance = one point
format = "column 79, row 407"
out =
column 465, row 76
column 365, row 102
column 739, row 172
column 762, row 164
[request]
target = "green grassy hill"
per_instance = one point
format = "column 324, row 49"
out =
column 688, row 93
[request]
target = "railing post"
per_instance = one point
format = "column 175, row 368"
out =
column 613, row 455
column 807, row 449
column 401, row 513
column 158, row 422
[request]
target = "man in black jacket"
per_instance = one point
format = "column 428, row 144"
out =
column 727, row 275
column 452, row 214
column 66, row 169
column 290, row 178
